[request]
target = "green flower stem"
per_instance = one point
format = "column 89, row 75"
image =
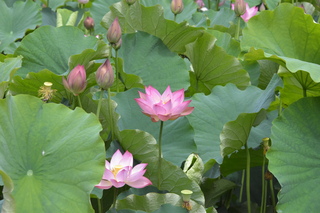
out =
column 263, row 197
column 242, row 183
column 110, row 114
column 79, row 101
column 99, row 206
column 280, row 106
column 117, row 72
column 209, row 4
column 248, row 178
column 115, row 194
column 160, row 154
column 110, row 51
column 238, row 29
column 273, row 199
column 99, row 103
column 91, row 32
column 175, row 17
column 217, row 5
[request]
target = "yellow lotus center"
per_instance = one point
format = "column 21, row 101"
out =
column 116, row 169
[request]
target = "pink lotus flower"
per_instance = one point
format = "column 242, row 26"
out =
column 250, row 12
column 120, row 171
column 168, row 106
column 76, row 81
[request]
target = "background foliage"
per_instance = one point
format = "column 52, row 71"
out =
column 264, row 84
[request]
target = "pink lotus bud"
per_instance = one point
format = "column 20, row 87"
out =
column 130, row 2
column 239, row 7
column 200, row 3
column 117, row 45
column 250, row 12
column 262, row 7
column 76, row 81
column 88, row 23
column 114, row 32
column 176, row 6
column 83, row 1
column 104, row 75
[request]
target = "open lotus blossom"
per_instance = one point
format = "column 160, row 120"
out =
column 120, row 171
column 250, row 12
column 168, row 106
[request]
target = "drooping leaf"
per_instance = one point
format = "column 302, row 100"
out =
column 100, row 52
column 267, row 70
column 293, row 90
column 16, row 20
column 263, row 130
column 53, row 155
column 213, row 66
column 294, row 156
column 235, row 134
column 224, row 104
column 290, row 38
column 50, row 48
column 147, row 57
column 145, row 149
column 177, row 134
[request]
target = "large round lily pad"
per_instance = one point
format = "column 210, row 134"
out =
column 294, row 156
column 53, row 155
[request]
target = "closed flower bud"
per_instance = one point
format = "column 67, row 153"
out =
column 117, row 45
column 76, row 81
column 88, row 23
column 114, row 32
column 200, row 3
column 104, row 75
column 83, row 1
column 176, row 6
column 130, row 2
column 239, row 7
